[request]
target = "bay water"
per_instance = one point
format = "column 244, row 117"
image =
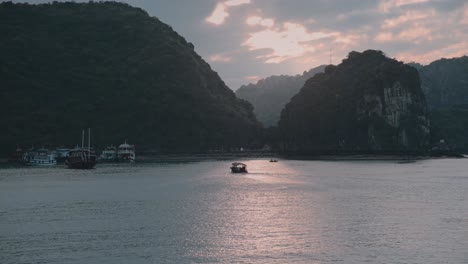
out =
column 198, row 212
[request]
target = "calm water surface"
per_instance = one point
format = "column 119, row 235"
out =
column 285, row 212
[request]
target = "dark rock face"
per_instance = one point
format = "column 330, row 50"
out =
column 445, row 84
column 270, row 95
column 111, row 67
column 367, row 104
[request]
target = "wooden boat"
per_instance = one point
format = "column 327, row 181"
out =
column 238, row 167
column 82, row 158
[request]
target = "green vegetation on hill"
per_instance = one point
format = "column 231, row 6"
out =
column 445, row 84
column 451, row 125
column 270, row 95
column 367, row 104
column 110, row 67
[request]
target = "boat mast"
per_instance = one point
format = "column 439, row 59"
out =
column 89, row 141
column 82, row 139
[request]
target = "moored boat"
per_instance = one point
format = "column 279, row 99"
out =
column 81, row 158
column 84, row 157
column 61, row 154
column 17, row 156
column 109, row 154
column 126, row 152
column 40, row 157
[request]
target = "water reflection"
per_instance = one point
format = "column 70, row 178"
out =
column 284, row 212
column 262, row 216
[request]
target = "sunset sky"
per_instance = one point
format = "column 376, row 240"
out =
column 244, row 40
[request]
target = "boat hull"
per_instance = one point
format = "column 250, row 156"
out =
column 238, row 170
column 82, row 165
column 41, row 164
column 81, row 159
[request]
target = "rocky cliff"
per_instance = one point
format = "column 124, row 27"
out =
column 445, row 84
column 270, row 95
column 367, row 104
column 113, row 68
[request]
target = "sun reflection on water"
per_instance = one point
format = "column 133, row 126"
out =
column 263, row 215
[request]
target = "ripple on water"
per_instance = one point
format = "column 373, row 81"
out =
column 284, row 212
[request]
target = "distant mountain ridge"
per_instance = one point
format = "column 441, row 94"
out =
column 367, row 104
column 111, row 67
column 268, row 96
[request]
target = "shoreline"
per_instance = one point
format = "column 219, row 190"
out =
column 268, row 156
column 271, row 155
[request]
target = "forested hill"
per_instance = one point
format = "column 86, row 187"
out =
column 113, row 68
column 270, row 95
column 445, row 83
column 367, row 104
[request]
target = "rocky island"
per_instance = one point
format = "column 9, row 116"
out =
column 367, row 104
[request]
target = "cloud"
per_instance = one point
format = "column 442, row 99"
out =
column 252, row 78
column 426, row 57
column 256, row 20
column 236, row 2
column 384, row 37
column 220, row 13
column 465, row 15
column 277, row 37
column 415, row 34
column 220, row 58
column 408, row 17
column 386, row 6
column 286, row 42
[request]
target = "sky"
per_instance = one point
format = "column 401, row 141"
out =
column 246, row 40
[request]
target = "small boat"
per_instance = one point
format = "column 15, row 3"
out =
column 82, row 158
column 238, row 167
column 109, row 154
column 126, row 152
column 17, row 156
column 40, row 157
column 273, row 160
